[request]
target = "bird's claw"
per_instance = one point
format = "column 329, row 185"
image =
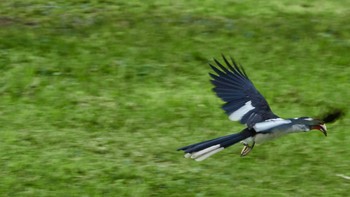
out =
column 246, row 149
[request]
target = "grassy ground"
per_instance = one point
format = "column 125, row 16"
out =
column 96, row 96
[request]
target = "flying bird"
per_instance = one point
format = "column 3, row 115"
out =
column 244, row 103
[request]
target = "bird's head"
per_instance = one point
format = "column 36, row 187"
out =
column 314, row 124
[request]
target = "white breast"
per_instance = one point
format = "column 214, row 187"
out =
column 261, row 138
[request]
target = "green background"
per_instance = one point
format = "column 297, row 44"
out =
column 96, row 96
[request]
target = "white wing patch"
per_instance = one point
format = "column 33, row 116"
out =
column 239, row 113
column 268, row 124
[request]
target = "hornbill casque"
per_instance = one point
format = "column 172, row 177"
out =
column 245, row 104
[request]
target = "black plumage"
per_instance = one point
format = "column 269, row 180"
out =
column 332, row 115
column 244, row 103
column 233, row 86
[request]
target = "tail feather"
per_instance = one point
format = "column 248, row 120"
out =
column 203, row 150
column 202, row 145
column 208, row 154
column 187, row 149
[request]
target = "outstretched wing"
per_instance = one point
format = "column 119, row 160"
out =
column 244, row 103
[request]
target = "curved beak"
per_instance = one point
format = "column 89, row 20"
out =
column 322, row 128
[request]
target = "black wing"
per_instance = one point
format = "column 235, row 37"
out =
column 244, row 103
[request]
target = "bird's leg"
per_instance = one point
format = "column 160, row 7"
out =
column 247, row 148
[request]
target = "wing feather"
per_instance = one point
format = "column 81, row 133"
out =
column 242, row 99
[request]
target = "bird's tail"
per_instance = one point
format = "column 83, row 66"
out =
column 203, row 150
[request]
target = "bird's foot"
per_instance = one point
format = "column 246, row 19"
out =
column 246, row 149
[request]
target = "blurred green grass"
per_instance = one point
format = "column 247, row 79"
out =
column 97, row 95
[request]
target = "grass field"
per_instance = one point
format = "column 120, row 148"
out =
column 96, row 96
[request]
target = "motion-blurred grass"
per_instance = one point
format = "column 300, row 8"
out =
column 97, row 95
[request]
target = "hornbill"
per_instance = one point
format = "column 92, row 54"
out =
column 245, row 104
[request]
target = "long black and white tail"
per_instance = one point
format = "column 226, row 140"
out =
column 203, row 150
